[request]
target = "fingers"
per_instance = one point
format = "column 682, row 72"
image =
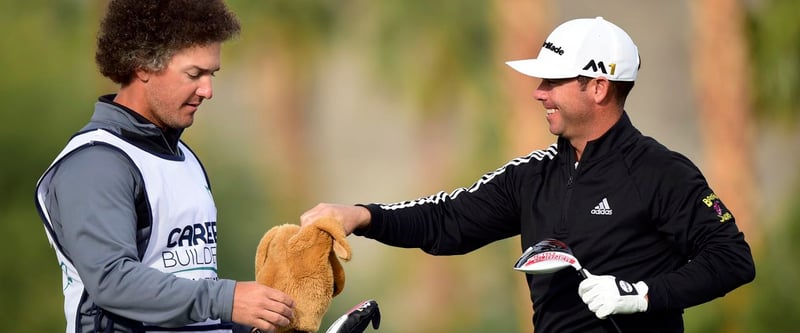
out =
column 597, row 303
column 351, row 217
column 278, row 297
column 277, row 309
column 262, row 307
column 313, row 214
column 592, row 298
column 603, row 311
column 271, row 321
column 589, row 283
column 594, row 291
column 322, row 210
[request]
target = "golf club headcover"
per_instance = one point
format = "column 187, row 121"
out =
column 606, row 295
column 303, row 262
column 357, row 319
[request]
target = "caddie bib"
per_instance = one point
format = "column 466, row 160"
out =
column 183, row 238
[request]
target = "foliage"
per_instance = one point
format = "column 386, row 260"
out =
column 47, row 89
column 775, row 47
column 437, row 53
column 774, row 35
column 774, row 307
column 435, row 50
column 299, row 27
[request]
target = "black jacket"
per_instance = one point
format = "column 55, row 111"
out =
column 632, row 208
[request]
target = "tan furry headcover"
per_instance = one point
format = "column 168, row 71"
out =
column 302, row 262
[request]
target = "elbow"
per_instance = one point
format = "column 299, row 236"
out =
column 105, row 298
column 744, row 274
column 749, row 274
column 748, row 271
column 106, row 292
column 743, row 268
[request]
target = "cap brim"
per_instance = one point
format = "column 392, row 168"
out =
column 539, row 69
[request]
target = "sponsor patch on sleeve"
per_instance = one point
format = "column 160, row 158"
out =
column 713, row 202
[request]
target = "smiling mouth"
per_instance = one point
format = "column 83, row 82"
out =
column 551, row 111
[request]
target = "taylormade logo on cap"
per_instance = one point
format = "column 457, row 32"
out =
column 551, row 47
column 587, row 47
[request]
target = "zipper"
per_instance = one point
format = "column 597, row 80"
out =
column 169, row 146
column 562, row 228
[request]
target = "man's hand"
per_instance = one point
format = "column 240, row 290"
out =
column 261, row 307
column 352, row 217
column 606, row 295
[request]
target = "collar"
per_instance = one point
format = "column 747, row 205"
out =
column 133, row 127
column 616, row 136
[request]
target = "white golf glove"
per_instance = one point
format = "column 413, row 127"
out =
column 606, row 295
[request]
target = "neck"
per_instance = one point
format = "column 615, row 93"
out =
column 134, row 97
column 597, row 128
column 578, row 151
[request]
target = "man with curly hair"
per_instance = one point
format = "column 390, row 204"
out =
column 128, row 206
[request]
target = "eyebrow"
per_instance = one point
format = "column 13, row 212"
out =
column 559, row 82
column 204, row 70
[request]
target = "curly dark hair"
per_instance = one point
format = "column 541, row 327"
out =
column 145, row 34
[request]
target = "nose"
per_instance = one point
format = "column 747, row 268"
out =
column 540, row 93
column 205, row 89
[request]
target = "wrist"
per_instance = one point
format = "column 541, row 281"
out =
column 364, row 220
column 644, row 291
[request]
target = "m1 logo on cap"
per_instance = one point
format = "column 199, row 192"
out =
column 595, row 66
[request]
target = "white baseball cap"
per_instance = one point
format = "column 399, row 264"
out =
column 587, row 47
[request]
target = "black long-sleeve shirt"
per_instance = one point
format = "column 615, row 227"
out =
column 630, row 208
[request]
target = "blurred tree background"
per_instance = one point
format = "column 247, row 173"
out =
column 363, row 101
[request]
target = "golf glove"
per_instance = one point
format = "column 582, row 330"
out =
column 606, row 295
column 358, row 318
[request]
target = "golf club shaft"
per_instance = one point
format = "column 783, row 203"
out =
column 582, row 273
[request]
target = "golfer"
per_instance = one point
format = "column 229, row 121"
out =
column 641, row 218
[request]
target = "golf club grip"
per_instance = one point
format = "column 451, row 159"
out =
column 582, row 273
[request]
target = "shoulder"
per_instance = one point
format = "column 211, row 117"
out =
column 657, row 168
column 647, row 154
column 524, row 167
column 521, row 170
column 96, row 164
column 535, row 158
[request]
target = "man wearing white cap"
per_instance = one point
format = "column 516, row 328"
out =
column 641, row 218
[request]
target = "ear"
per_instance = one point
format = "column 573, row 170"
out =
column 142, row 75
column 335, row 228
column 342, row 249
column 602, row 90
column 263, row 247
column 338, row 274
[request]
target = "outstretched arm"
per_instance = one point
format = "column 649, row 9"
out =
column 352, row 217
